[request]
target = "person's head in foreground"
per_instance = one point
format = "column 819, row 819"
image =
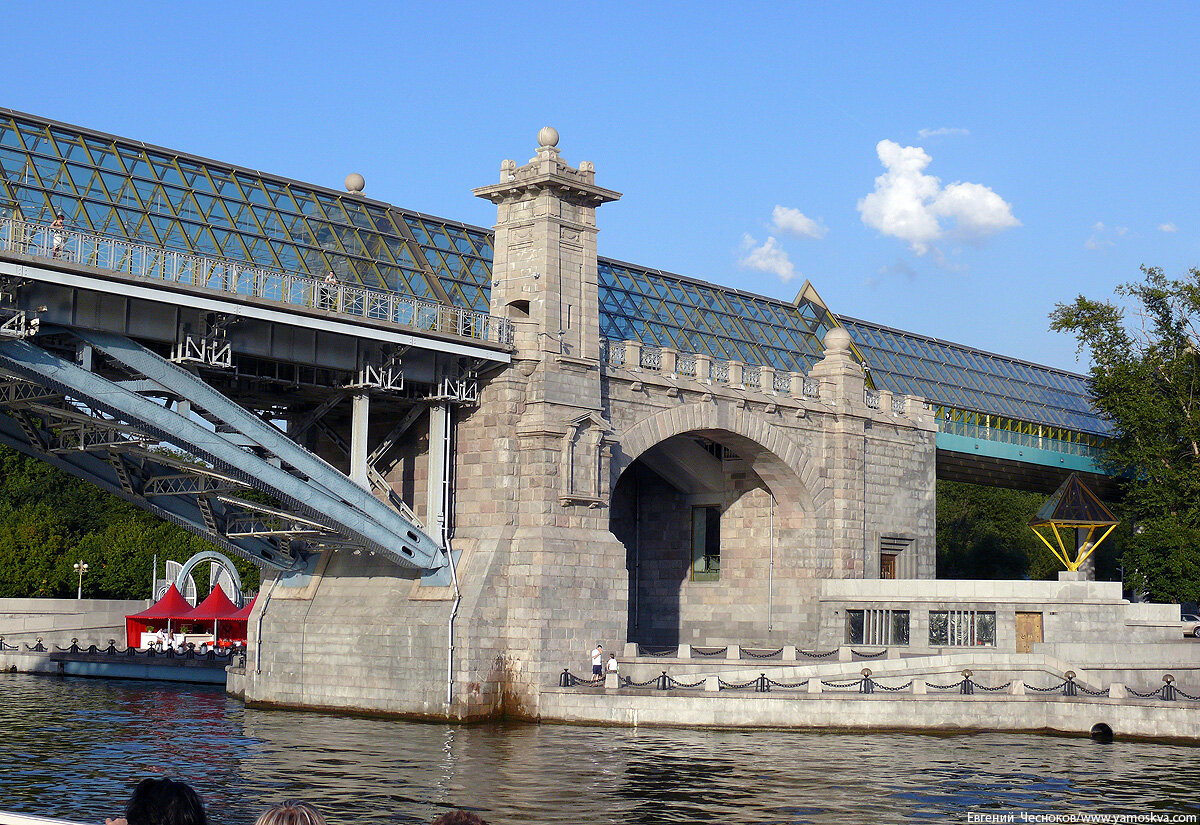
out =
column 291, row 812
column 459, row 818
column 164, row 802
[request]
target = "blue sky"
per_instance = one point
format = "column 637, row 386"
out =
column 1034, row 151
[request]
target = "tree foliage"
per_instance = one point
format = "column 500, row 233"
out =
column 1145, row 377
column 50, row 520
column 983, row 533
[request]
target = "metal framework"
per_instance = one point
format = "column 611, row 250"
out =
column 207, row 464
column 180, row 204
column 1074, row 508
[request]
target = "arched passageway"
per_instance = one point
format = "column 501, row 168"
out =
column 722, row 540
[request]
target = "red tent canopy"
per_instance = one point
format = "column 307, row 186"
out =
column 171, row 607
column 243, row 615
column 216, row 606
column 218, row 610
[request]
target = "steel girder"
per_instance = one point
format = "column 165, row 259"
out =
column 108, row 427
column 184, row 384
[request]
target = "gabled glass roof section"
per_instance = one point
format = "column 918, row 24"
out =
column 971, row 379
column 114, row 186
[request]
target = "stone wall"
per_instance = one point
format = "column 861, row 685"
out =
column 811, row 485
column 58, row 621
column 1071, row 611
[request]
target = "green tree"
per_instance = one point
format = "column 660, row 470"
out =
column 50, row 520
column 1145, row 378
column 982, row 533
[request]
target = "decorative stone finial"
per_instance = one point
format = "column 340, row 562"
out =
column 355, row 182
column 837, row 340
column 548, row 136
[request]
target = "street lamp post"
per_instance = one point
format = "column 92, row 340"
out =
column 80, row 568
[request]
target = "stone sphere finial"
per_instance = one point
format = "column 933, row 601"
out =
column 837, row 340
column 355, row 182
column 548, row 136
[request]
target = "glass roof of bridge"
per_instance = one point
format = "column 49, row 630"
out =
column 114, row 186
column 971, row 379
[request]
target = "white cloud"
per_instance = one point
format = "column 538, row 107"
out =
column 1168, row 227
column 911, row 205
column 769, row 257
column 942, row 132
column 795, row 222
column 1102, row 236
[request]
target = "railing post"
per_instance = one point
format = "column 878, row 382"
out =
column 670, row 361
column 766, row 380
column 663, row 684
column 564, row 679
column 633, row 355
column 735, row 373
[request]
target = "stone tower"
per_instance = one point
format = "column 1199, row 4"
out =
column 533, row 502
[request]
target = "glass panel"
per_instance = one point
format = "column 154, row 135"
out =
column 855, row 619
column 939, row 628
column 985, row 628
column 899, row 627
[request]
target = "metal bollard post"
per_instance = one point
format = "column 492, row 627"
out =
column 564, row 680
column 663, row 684
column 1069, row 689
column 866, row 685
column 1169, row 690
column 761, row 685
column 968, row 687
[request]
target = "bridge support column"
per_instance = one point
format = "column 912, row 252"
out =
column 359, row 423
column 439, row 450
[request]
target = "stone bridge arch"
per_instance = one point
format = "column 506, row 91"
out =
column 775, row 456
column 724, row 551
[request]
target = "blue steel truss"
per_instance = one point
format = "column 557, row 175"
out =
column 211, row 467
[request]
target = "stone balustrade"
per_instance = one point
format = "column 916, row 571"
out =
column 636, row 356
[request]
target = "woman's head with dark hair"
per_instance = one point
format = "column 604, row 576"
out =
column 291, row 812
column 164, row 802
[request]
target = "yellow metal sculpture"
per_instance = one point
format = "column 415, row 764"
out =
column 1074, row 507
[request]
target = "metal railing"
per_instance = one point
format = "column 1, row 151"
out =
column 984, row 433
column 239, row 280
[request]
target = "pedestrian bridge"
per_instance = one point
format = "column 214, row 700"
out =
column 103, row 343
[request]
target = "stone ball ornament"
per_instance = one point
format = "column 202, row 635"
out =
column 837, row 340
column 355, row 182
column 548, row 136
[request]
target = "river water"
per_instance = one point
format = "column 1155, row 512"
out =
column 74, row 748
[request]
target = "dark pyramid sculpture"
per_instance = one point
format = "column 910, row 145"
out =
column 1073, row 506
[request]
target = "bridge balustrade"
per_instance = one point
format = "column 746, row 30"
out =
column 232, row 278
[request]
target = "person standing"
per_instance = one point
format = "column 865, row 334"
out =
column 58, row 234
column 598, row 661
column 331, row 285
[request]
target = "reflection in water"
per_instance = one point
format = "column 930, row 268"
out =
column 74, row 748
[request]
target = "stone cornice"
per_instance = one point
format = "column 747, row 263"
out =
column 569, row 189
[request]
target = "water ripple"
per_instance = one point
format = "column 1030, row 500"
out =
column 73, row 748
